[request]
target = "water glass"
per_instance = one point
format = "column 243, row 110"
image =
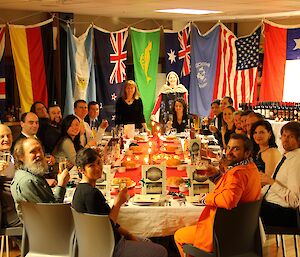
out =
column 62, row 164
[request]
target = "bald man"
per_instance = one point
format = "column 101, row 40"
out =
column 7, row 172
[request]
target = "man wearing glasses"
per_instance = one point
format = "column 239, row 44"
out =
column 239, row 182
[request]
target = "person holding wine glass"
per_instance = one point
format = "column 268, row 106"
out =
column 88, row 199
column 69, row 142
column 179, row 120
column 129, row 107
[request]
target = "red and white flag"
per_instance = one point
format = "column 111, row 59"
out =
column 237, row 63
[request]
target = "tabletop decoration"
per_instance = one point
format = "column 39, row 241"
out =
column 154, row 177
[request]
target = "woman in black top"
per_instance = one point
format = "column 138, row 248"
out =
column 265, row 152
column 228, row 126
column 88, row 199
column 129, row 107
column 180, row 118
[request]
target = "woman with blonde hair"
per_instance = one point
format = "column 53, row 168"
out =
column 129, row 107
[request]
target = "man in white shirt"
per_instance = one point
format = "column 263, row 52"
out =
column 86, row 134
column 282, row 190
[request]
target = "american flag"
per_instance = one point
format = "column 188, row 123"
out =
column 184, row 53
column 118, row 42
column 238, row 66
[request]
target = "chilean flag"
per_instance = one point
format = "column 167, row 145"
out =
column 281, row 68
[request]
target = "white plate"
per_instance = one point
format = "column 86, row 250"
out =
column 142, row 203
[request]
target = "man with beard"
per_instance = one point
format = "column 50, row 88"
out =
column 52, row 131
column 29, row 184
column 239, row 183
column 7, row 172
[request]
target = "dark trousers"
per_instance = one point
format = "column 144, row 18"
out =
column 276, row 215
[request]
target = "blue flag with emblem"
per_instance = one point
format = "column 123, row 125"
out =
column 204, row 54
column 177, row 53
column 110, row 58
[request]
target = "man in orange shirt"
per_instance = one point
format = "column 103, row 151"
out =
column 239, row 183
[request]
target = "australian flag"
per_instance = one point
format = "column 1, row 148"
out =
column 177, row 54
column 111, row 55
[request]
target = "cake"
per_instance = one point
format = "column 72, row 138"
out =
column 173, row 162
column 129, row 164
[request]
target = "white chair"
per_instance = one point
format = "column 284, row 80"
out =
column 94, row 235
column 49, row 229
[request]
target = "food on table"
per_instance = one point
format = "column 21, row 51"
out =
column 140, row 138
column 118, row 181
column 129, row 164
column 174, row 181
column 171, row 148
column 173, row 162
column 171, row 137
column 158, row 158
column 135, row 149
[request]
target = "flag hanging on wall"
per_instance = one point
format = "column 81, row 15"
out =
column 281, row 76
column 32, row 48
column 145, row 48
column 204, row 54
column 80, row 83
column 177, row 53
column 110, row 56
column 2, row 75
column 237, row 70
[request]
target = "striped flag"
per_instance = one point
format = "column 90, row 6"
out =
column 32, row 48
column 280, row 78
column 237, row 71
column 2, row 78
column 80, row 69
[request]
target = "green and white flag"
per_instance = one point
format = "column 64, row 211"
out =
column 145, row 47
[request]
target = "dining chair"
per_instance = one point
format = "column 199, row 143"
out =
column 49, row 229
column 94, row 235
column 281, row 231
column 236, row 233
column 6, row 232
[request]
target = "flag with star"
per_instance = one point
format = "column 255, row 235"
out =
column 110, row 59
column 177, row 53
column 281, row 76
column 237, row 71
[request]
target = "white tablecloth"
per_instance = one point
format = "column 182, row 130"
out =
column 154, row 221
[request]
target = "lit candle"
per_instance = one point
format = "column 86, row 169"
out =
column 152, row 123
column 146, row 160
column 128, row 159
column 150, row 144
column 149, row 151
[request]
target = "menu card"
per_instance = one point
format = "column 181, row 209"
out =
column 154, row 179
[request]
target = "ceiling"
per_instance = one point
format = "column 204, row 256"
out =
column 232, row 9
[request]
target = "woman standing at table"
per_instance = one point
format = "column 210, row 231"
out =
column 180, row 119
column 88, row 199
column 228, row 126
column 129, row 107
column 69, row 142
column 265, row 153
column 166, row 97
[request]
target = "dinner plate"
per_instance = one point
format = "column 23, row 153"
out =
column 133, row 168
column 142, row 203
column 133, row 184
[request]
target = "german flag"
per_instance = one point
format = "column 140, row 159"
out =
column 32, row 48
